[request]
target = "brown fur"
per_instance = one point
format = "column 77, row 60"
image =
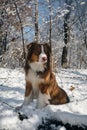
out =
column 28, row 88
column 50, row 86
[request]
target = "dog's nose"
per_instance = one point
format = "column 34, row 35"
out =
column 44, row 58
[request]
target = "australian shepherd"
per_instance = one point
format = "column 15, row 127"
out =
column 40, row 81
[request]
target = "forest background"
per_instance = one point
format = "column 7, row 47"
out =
column 61, row 23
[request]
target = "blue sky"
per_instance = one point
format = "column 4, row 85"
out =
column 43, row 15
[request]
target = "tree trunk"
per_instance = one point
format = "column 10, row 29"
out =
column 50, row 27
column 64, row 57
column 36, row 21
column 64, row 61
column 22, row 35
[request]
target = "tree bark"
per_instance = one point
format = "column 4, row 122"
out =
column 36, row 21
column 64, row 57
column 22, row 35
column 64, row 61
column 50, row 27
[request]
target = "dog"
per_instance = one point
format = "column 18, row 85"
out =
column 40, row 81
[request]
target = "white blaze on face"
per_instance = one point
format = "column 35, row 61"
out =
column 42, row 56
column 38, row 65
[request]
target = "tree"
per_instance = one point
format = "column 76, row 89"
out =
column 64, row 61
column 21, row 26
column 36, row 21
column 50, row 25
column 63, row 24
column 3, row 27
column 82, row 18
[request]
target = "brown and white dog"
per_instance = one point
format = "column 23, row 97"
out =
column 40, row 81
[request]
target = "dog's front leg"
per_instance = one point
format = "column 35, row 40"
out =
column 43, row 97
column 43, row 100
column 28, row 95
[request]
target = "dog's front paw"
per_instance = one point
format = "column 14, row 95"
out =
column 43, row 100
column 39, row 106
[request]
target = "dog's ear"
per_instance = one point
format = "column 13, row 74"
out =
column 29, row 46
column 48, row 47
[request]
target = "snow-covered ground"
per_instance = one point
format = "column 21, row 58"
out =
column 12, row 86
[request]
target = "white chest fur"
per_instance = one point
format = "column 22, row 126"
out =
column 35, row 81
column 42, row 99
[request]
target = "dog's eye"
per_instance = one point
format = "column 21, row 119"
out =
column 37, row 50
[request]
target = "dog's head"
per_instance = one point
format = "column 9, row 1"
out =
column 38, row 56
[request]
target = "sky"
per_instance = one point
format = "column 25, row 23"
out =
column 43, row 16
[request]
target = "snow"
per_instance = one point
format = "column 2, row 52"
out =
column 12, row 87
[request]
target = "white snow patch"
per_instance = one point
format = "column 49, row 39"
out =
column 12, row 87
